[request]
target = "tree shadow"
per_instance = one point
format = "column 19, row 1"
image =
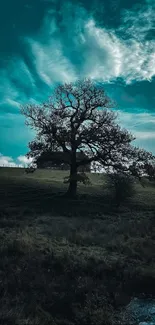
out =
column 23, row 195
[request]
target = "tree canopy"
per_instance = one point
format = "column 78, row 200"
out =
column 78, row 117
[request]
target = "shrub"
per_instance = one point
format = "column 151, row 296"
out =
column 121, row 186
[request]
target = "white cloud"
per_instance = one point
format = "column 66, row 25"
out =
column 24, row 160
column 135, row 119
column 51, row 64
column 144, row 135
column 7, row 161
column 103, row 54
column 6, row 89
column 25, row 77
column 14, row 82
column 126, row 52
column 110, row 57
column 139, row 20
column 141, row 125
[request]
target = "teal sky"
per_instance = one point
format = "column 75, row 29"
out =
column 48, row 41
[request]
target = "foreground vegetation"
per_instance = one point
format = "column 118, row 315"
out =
column 72, row 261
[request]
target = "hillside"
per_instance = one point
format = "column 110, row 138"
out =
column 71, row 261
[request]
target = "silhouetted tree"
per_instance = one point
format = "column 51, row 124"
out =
column 77, row 118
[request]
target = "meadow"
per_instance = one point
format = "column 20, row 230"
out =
column 67, row 262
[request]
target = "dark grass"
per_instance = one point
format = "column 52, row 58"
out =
column 72, row 261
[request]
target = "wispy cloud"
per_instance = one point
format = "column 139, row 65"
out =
column 72, row 44
column 51, row 65
column 80, row 47
column 92, row 51
column 139, row 21
column 140, row 120
column 141, row 125
column 112, row 57
column 145, row 135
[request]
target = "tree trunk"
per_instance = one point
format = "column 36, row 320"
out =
column 72, row 189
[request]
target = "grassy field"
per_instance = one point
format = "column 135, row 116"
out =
column 67, row 262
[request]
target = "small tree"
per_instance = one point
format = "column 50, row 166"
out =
column 77, row 118
column 121, row 186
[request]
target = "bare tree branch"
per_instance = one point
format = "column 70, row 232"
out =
column 78, row 117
